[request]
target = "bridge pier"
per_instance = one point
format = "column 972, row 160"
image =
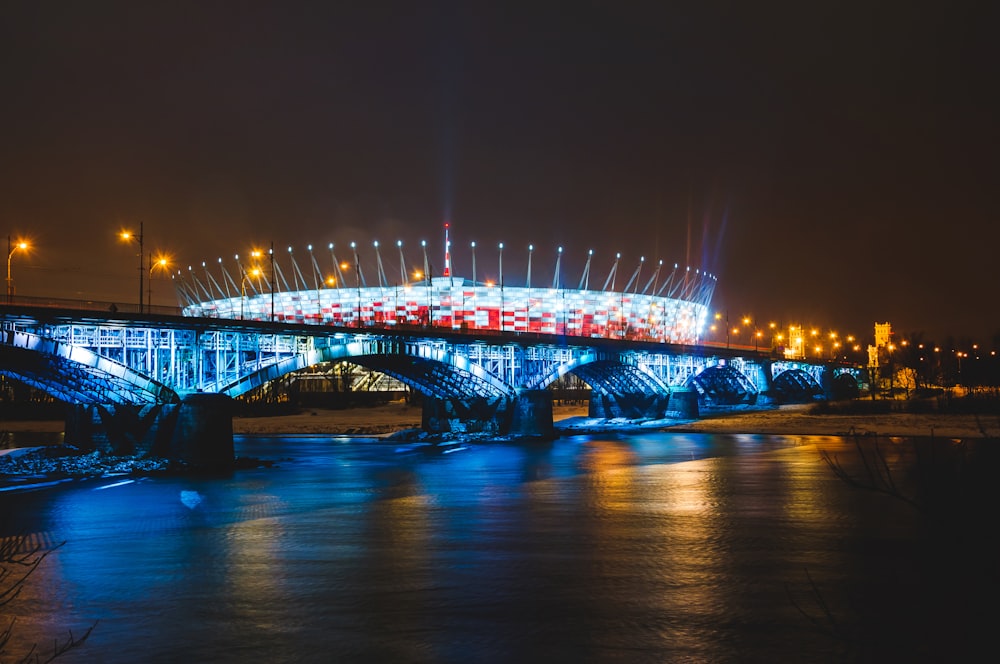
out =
column 197, row 431
column 472, row 415
column 683, row 404
column 827, row 383
column 121, row 429
column 628, row 405
column 762, row 374
column 203, row 432
column 531, row 414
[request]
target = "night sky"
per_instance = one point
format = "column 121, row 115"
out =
column 834, row 164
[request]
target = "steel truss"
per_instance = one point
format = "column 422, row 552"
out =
column 119, row 361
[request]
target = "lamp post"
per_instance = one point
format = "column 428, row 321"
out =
column 718, row 317
column 270, row 254
column 128, row 236
column 10, row 254
column 161, row 262
column 473, row 246
column 254, row 272
column 502, row 327
column 428, row 284
column 357, row 277
column 749, row 322
column 527, row 300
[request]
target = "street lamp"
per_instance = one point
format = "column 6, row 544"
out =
column 159, row 262
column 129, row 236
column 10, row 254
column 357, row 278
column 748, row 321
column 473, row 246
column 500, row 247
column 719, row 317
column 254, row 272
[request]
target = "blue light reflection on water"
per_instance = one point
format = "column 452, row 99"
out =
column 600, row 548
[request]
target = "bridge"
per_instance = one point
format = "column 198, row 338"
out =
column 163, row 383
column 481, row 353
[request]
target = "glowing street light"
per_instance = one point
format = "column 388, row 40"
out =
column 254, row 272
column 160, row 262
column 472, row 245
column 129, row 236
column 22, row 245
column 748, row 321
column 719, row 317
column 500, row 248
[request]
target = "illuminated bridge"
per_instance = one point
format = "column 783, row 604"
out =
column 481, row 354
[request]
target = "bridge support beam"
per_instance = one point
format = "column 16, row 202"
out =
column 198, row 431
column 827, row 383
column 473, row 415
column 683, row 404
column 203, row 432
column 629, row 405
column 121, row 429
column 531, row 415
column 761, row 374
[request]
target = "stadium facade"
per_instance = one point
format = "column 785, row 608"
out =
column 669, row 308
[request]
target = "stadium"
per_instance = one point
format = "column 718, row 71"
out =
column 661, row 306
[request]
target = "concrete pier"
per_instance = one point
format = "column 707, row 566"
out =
column 472, row 415
column 203, row 432
column 198, row 431
column 629, row 405
column 531, row 415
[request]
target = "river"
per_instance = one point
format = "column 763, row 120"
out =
column 647, row 547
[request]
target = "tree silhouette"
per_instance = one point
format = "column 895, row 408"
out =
column 18, row 561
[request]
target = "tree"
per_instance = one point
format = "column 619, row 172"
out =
column 18, row 561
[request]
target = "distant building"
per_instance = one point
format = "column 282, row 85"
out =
column 883, row 344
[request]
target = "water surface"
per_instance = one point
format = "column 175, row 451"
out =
column 649, row 547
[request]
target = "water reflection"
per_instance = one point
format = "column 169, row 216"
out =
column 653, row 547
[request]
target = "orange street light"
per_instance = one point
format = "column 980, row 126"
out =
column 23, row 246
column 129, row 236
column 160, row 262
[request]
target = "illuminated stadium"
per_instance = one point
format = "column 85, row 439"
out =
column 664, row 305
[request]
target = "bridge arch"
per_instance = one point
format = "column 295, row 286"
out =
column 434, row 372
column 74, row 374
column 796, row 386
column 845, row 386
column 618, row 388
column 603, row 372
column 723, row 385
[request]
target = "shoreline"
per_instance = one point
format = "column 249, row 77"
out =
column 27, row 465
column 394, row 417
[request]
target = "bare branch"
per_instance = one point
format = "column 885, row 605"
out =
column 877, row 474
column 25, row 559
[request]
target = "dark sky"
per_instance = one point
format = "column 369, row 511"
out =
column 834, row 163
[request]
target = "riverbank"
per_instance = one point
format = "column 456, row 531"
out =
column 785, row 420
column 788, row 420
column 800, row 419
